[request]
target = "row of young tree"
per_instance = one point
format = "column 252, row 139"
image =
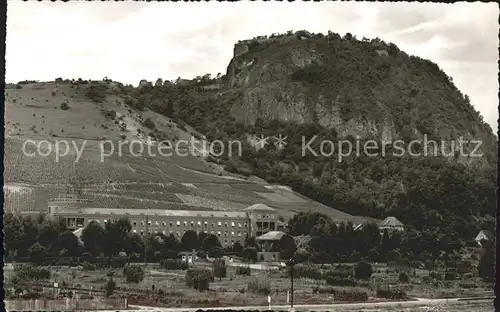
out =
column 330, row 242
column 40, row 237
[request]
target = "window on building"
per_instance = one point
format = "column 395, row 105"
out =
column 178, row 233
column 185, row 223
column 232, row 224
column 149, row 222
column 105, row 221
column 239, row 233
column 192, row 223
column 246, row 225
column 164, row 224
column 178, row 223
column 213, row 224
column 142, row 232
column 218, row 233
column 239, row 225
column 164, row 232
column 142, row 223
column 232, row 233
column 156, row 223
column 199, row 223
column 259, row 217
column 206, row 224
column 225, row 233
column 135, row 223
column 220, row 224
column 135, row 231
column 225, row 224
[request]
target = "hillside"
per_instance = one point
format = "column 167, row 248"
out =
column 339, row 88
column 98, row 110
column 294, row 85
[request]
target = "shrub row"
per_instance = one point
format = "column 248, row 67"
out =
column 174, row 264
column 342, row 295
column 243, row 271
column 391, row 293
column 199, row 278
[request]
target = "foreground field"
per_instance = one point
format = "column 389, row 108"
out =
column 170, row 289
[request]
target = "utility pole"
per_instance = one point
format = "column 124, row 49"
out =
column 291, row 263
column 146, row 228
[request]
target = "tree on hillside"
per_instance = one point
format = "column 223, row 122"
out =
column 237, row 247
column 322, row 238
column 287, row 247
column 216, row 252
column 37, row 253
column 13, row 233
column 48, row 234
column 171, row 247
column 210, row 242
column 304, row 222
column 115, row 233
column 250, row 241
column 219, row 267
column 189, row 241
column 29, row 237
column 69, row 242
column 93, row 238
column 486, row 268
column 368, row 238
column 133, row 244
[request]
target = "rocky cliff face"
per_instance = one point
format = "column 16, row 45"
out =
column 360, row 88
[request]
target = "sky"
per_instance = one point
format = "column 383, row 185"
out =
column 130, row 41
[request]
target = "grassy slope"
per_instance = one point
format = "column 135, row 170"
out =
column 127, row 181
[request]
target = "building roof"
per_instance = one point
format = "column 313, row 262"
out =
column 390, row 222
column 260, row 207
column 271, row 236
column 152, row 212
column 487, row 233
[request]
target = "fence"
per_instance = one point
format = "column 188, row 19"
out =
column 66, row 304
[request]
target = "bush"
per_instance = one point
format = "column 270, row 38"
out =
column 392, row 294
column 363, row 270
column 220, row 270
column 199, row 279
column 110, row 287
column 110, row 114
column 450, row 276
column 31, row 272
column 243, row 271
column 87, row 266
column 259, row 286
column 305, row 271
column 403, row 277
column 148, row 123
column 342, row 295
column 435, row 275
column 96, row 93
column 64, row 106
column 118, row 262
column 340, row 281
column 37, row 253
column 133, row 273
column 174, row 264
